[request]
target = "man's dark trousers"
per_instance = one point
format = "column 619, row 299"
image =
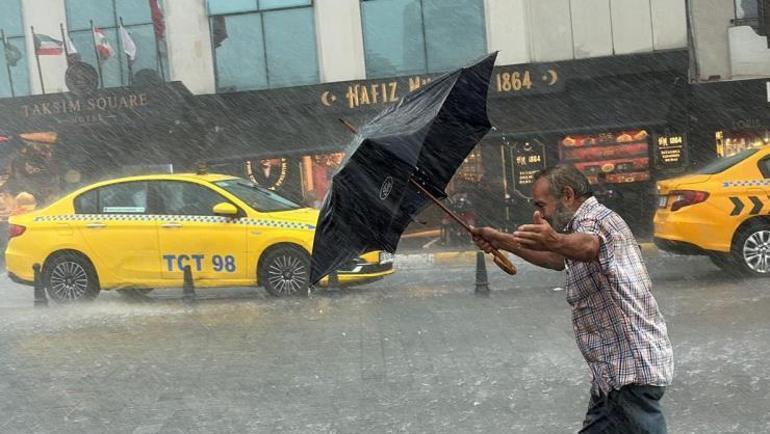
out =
column 632, row 409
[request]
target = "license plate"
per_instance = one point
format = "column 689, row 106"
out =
column 386, row 258
column 662, row 201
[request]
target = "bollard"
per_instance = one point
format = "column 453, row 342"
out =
column 188, row 287
column 40, row 298
column 482, row 284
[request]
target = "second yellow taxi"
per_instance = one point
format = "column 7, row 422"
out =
column 722, row 211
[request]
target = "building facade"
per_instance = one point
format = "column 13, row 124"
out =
column 256, row 88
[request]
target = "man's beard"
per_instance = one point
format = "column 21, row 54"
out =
column 561, row 218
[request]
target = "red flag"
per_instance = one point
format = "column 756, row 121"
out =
column 157, row 19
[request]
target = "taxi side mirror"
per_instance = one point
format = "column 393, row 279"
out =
column 226, row 210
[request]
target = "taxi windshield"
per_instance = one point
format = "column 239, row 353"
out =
column 259, row 198
column 726, row 163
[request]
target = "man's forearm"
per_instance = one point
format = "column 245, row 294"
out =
column 578, row 246
column 550, row 260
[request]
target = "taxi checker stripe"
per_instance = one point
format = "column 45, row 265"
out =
column 746, row 183
column 206, row 219
column 738, row 205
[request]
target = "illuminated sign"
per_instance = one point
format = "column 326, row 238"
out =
column 670, row 151
column 528, row 158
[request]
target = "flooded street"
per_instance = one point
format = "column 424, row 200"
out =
column 391, row 356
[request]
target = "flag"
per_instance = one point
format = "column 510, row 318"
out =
column 12, row 54
column 48, row 46
column 218, row 30
column 102, row 44
column 157, row 19
column 128, row 44
column 70, row 46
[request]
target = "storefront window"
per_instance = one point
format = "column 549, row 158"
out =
column 421, row 36
column 29, row 174
column 317, row 171
column 732, row 142
column 106, row 15
column 263, row 44
column 14, row 52
column 623, row 156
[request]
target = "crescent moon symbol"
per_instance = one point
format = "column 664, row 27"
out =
column 327, row 98
column 554, row 77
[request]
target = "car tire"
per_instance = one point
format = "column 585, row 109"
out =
column 751, row 250
column 724, row 262
column 70, row 277
column 285, row 271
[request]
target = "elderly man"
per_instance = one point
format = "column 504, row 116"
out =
column 616, row 320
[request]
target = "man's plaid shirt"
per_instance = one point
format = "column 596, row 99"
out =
column 617, row 324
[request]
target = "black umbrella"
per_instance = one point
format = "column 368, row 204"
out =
column 400, row 161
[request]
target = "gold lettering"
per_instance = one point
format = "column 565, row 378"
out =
column 91, row 104
column 47, row 108
column 414, row 83
column 393, row 87
column 74, row 106
column 375, row 93
column 26, row 110
column 132, row 101
column 352, row 96
column 35, row 109
column 143, row 99
column 365, row 96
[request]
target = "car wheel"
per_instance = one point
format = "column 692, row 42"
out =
column 285, row 271
column 751, row 251
column 70, row 277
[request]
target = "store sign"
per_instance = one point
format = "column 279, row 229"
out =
column 623, row 156
column 528, row 159
column 670, row 151
column 506, row 81
column 268, row 173
column 70, row 109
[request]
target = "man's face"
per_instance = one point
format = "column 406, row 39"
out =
column 556, row 211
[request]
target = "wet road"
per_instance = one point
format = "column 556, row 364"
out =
column 417, row 352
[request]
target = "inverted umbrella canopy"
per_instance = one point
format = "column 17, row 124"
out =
column 425, row 137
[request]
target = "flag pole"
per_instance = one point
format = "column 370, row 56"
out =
column 129, row 63
column 64, row 40
column 96, row 51
column 160, row 60
column 37, row 59
column 7, row 65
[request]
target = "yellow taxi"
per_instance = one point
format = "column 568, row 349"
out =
column 722, row 210
column 141, row 233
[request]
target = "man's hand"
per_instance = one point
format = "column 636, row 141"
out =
column 488, row 238
column 538, row 236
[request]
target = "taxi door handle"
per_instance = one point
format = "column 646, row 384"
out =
column 171, row 225
column 96, row 226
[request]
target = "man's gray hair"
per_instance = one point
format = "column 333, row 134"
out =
column 565, row 175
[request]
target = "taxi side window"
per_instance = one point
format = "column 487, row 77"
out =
column 764, row 167
column 87, row 203
column 126, row 198
column 186, row 198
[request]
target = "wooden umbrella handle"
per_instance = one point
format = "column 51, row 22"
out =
column 500, row 259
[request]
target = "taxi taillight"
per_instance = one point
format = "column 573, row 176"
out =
column 683, row 198
column 15, row 230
